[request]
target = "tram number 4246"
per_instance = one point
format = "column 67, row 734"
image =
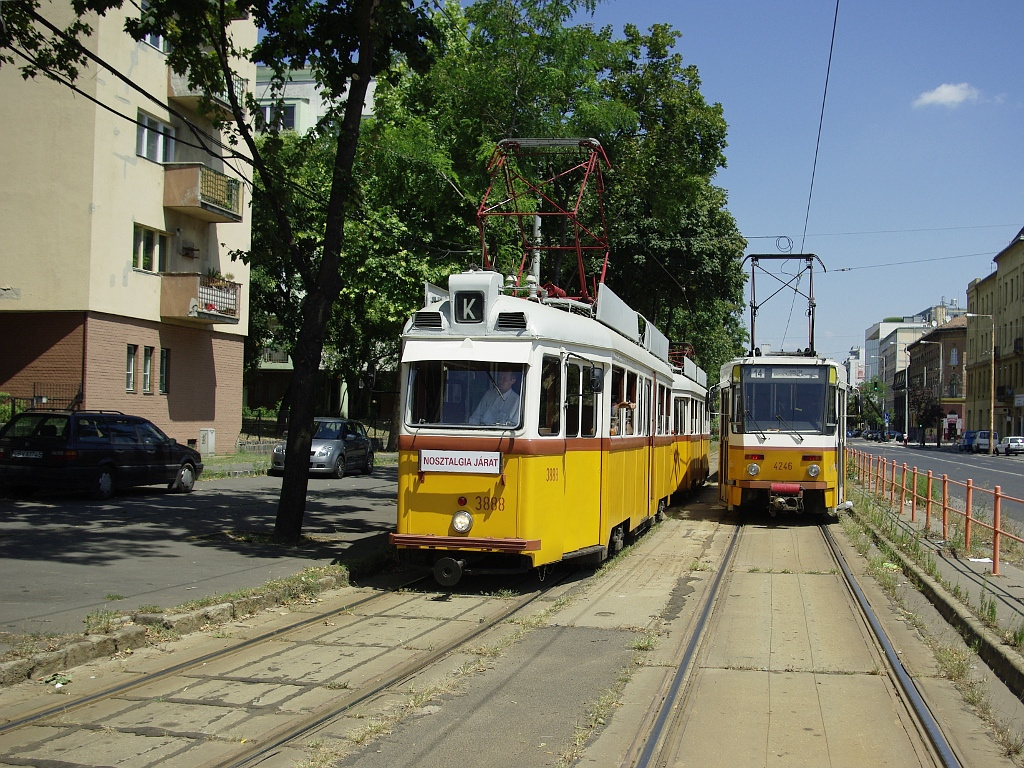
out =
column 783, row 465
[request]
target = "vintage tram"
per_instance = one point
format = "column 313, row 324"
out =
column 538, row 430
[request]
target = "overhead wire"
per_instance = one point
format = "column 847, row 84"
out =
column 814, row 165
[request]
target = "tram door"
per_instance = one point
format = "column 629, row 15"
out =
column 724, row 419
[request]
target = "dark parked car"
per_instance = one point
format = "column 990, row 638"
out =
column 967, row 441
column 96, row 451
column 339, row 445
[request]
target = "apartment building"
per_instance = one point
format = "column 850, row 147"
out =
column 995, row 344
column 118, row 212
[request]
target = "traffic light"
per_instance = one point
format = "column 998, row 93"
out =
column 874, row 386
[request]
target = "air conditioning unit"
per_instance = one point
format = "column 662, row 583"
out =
column 207, row 441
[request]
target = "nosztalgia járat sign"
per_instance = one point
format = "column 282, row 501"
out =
column 478, row 462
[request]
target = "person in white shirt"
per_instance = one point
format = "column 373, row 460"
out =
column 500, row 403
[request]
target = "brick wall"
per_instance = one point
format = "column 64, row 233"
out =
column 204, row 386
column 40, row 350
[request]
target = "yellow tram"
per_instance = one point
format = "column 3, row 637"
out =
column 783, row 433
column 536, row 430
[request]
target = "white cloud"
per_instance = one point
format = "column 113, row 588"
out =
column 948, row 95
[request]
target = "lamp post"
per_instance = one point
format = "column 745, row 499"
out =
column 991, row 383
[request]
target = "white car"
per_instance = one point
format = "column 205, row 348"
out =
column 1010, row 445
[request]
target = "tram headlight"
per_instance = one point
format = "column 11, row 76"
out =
column 814, row 470
column 753, row 469
column 462, row 521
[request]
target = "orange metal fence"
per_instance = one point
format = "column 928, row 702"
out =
column 886, row 479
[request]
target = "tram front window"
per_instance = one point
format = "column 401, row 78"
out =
column 466, row 394
column 782, row 399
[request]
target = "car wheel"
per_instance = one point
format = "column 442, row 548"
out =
column 339, row 466
column 104, row 487
column 368, row 465
column 185, row 481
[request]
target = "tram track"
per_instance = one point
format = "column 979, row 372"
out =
column 239, row 705
column 665, row 742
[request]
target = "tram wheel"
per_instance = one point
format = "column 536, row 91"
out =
column 660, row 514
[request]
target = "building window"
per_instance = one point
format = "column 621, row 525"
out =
column 281, row 116
column 165, row 370
column 154, row 139
column 147, row 368
column 129, row 369
column 954, row 356
column 150, row 249
column 157, row 41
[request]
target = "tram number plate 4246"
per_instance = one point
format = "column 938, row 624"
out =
column 476, row 462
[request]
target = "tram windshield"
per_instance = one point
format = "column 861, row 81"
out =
column 784, row 398
column 466, row 394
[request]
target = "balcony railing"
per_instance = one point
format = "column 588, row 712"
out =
column 202, row 192
column 178, row 90
column 199, row 298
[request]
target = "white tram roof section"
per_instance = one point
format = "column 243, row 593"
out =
column 485, row 322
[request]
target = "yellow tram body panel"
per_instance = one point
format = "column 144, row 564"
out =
column 541, row 506
column 781, row 465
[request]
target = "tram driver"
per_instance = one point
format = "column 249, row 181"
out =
column 500, row 403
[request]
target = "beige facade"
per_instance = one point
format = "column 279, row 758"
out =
column 117, row 227
column 995, row 344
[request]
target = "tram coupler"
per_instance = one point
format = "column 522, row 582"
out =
column 786, row 497
column 448, row 571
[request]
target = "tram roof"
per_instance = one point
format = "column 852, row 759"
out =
column 505, row 328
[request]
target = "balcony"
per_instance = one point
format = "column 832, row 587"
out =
column 201, row 192
column 1004, row 393
column 198, row 298
column 179, row 91
column 1018, row 345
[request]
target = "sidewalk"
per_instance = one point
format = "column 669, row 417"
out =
column 1000, row 596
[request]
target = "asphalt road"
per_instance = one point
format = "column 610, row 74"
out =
column 986, row 471
column 65, row 557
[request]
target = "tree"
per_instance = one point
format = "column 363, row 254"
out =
column 345, row 43
column 926, row 410
column 520, row 69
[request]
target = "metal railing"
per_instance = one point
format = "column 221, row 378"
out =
column 219, row 189
column 218, row 295
column 885, row 479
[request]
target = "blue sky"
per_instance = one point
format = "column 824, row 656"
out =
column 921, row 156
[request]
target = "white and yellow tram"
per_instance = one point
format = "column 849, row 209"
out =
column 783, row 433
column 538, row 430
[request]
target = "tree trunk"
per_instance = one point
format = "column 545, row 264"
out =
column 321, row 295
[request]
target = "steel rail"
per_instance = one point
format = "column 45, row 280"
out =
column 198, row 661
column 669, row 702
column 935, row 736
column 288, row 733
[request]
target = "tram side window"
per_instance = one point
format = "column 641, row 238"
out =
column 644, row 425
column 580, row 402
column 629, row 413
column 830, row 405
column 662, row 426
column 679, row 416
column 550, row 396
column 618, row 398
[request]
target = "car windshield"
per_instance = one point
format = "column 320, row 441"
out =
column 466, row 393
column 36, row 425
column 330, row 430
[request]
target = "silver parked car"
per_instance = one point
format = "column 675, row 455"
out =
column 339, row 445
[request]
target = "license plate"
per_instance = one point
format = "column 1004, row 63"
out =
column 26, row 454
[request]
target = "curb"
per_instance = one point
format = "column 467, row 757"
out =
column 1006, row 663
column 133, row 633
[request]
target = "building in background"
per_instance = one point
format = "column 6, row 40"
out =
column 938, row 365
column 116, row 286
column 995, row 344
